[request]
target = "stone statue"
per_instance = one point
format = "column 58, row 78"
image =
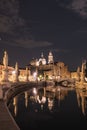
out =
column 16, row 67
column 5, row 59
column 5, row 70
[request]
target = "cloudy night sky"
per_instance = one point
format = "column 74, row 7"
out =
column 29, row 27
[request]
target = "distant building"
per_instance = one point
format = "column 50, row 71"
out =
column 50, row 70
column 42, row 60
column 50, row 58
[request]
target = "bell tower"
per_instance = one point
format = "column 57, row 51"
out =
column 50, row 58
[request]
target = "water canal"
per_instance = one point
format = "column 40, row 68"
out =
column 45, row 109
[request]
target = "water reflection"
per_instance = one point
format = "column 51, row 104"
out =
column 54, row 108
column 82, row 100
column 26, row 98
column 15, row 104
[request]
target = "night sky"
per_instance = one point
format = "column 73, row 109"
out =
column 29, row 27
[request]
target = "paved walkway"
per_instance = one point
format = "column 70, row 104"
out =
column 6, row 120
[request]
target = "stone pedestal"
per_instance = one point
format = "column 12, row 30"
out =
column 5, row 75
column 15, row 77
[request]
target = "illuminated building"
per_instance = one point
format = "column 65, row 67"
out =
column 50, row 58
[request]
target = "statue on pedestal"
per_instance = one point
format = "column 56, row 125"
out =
column 16, row 73
column 5, row 59
column 5, row 69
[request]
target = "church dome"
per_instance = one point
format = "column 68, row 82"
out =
column 42, row 60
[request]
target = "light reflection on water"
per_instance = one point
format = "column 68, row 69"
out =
column 50, row 109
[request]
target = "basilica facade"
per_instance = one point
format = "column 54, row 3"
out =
column 50, row 69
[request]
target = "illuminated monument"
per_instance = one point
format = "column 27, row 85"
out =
column 83, row 72
column 42, row 60
column 5, row 69
column 50, row 58
column 15, row 79
column 50, row 70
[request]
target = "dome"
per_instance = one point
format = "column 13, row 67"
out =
column 42, row 60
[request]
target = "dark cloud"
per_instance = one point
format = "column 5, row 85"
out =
column 78, row 6
column 60, row 50
column 9, row 18
column 32, row 43
column 13, row 29
column 26, row 43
